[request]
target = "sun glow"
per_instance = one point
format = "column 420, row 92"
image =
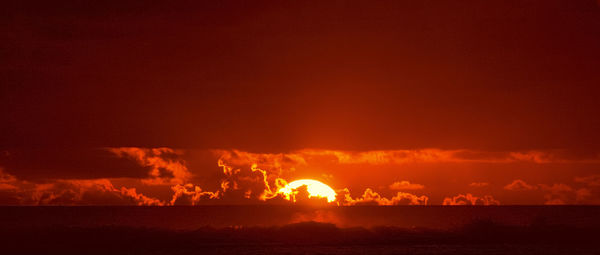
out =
column 315, row 189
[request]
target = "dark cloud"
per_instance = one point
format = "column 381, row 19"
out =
column 69, row 163
column 14, row 191
column 166, row 164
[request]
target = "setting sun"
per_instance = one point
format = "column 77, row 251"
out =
column 315, row 189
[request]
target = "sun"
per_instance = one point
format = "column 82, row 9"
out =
column 315, row 189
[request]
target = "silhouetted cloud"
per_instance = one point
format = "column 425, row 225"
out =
column 469, row 199
column 237, row 185
column 71, row 192
column 370, row 197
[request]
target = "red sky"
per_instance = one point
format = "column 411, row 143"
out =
column 497, row 99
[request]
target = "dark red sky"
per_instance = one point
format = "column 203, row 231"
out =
column 486, row 78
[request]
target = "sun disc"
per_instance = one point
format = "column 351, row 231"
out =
column 315, row 189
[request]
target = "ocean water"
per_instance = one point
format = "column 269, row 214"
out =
column 191, row 217
column 300, row 230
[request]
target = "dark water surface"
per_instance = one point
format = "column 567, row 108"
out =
column 300, row 230
column 191, row 217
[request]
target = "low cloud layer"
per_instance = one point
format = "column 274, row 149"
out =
column 71, row 192
column 166, row 176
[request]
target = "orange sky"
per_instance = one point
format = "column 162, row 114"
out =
column 397, row 102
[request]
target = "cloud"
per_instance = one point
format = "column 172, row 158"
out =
column 592, row 180
column 519, row 185
column 166, row 165
column 268, row 161
column 470, row 199
column 247, row 183
column 590, row 194
column 87, row 192
column 371, row 197
column 479, row 184
column 534, row 156
column 7, row 181
column 237, row 185
column 70, row 192
column 583, row 195
column 557, row 188
column 386, row 157
column 378, row 157
column 402, row 198
column 71, row 163
column 245, row 178
column 558, row 193
column 190, row 194
column 405, row 185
